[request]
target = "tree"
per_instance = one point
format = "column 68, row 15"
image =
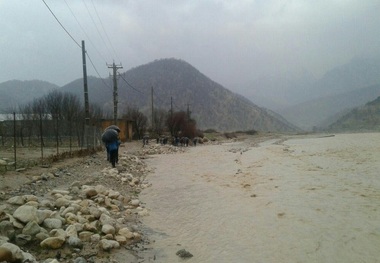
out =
column 180, row 124
column 160, row 117
column 140, row 121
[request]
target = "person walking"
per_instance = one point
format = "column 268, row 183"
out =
column 113, row 148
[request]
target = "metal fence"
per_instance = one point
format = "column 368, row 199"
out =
column 26, row 143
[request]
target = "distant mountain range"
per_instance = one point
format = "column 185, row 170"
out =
column 16, row 92
column 210, row 104
column 308, row 102
column 301, row 100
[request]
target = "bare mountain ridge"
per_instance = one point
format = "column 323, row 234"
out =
column 323, row 111
column 339, row 90
column 363, row 118
column 211, row 105
column 17, row 92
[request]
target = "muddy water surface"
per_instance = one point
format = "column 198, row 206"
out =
column 299, row 199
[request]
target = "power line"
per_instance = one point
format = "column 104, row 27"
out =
column 97, row 29
column 131, row 85
column 97, row 71
column 105, row 31
column 84, row 31
column 61, row 24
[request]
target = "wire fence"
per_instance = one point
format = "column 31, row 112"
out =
column 27, row 143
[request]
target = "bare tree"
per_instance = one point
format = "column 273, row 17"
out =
column 140, row 121
column 179, row 124
column 160, row 117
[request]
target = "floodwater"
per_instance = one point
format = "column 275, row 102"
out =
column 297, row 199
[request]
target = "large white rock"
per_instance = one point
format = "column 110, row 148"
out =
column 26, row 213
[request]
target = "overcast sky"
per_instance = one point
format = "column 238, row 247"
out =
column 231, row 41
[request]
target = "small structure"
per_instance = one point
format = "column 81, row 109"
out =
column 124, row 125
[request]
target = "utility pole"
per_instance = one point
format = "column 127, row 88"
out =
column 152, row 109
column 86, row 103
column 115, row 95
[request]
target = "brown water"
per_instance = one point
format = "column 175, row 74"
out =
column 305, row 199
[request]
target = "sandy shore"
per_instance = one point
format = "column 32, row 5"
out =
column 292, row 199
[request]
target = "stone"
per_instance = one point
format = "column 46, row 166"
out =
column 113, row 194
column 31, row 228
column 43, row 214
column 42, row 235
column 121, row 239
column 23, row 239
column 26, row 213
column 16, row 200
column 5, row 254
column 95, row 211
column 107, row 220
column 29, row 198
column 17, row 254
column 135, row 202
column 75, row 242
column 15, row 222
column 126, row 233
column 107, row 245
column 33, row 203
column 91, row 226
column 101, row 189
column 71, row 231
column 52, row 242
column 108, row 229
column 182, row 253
column 58, row 233
column 6, row 229
column 80, row 260
column 85, row 235
column 60, row 202
column 52, row 223
column 69, row 209
column 95, row 238
column 89, row 192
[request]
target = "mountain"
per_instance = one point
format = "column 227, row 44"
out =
column 364, row 118
column 323, row 111
column 210, row 104
column 278, row 91
column 15, row 92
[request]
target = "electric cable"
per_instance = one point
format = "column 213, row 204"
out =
column 84, row 31
column 61, row 24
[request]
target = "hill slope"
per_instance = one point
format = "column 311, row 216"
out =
column 211, row 105
column 15, row 92
column 321, row 112
column 364, row 118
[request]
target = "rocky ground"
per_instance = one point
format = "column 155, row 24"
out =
column 76, row 210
